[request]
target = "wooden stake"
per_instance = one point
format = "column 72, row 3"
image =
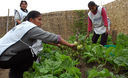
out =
column 114, row 36
column 7, row 21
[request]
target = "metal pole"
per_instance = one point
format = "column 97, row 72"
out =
column 7, row 21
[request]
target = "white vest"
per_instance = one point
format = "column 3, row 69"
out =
column 15, row 35
column 97, row 21
column 22, row 14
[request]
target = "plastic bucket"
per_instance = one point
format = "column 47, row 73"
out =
column 107, row 46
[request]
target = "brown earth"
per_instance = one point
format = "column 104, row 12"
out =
column 4, row 73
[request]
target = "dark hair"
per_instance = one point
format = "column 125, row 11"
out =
column 32, row 14
column 92, row 3
column 22, row 2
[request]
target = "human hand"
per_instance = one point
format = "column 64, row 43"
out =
column 58, row 45
column 87, row 36
column 73, row 46
column 107, row 31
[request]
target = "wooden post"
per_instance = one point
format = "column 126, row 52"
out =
column 114, row 36
column 7, row 21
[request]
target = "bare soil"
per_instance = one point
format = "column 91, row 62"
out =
column 4, row 73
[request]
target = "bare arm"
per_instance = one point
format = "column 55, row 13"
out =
column 18, row 21
column 63, row 42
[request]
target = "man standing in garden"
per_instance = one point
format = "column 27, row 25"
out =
column 97, row 18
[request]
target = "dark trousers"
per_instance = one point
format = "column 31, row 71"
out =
column 19, row 63
column 103, row 38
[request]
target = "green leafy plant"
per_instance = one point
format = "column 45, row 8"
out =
column 54, row 65
column 80, row 23
column 104, row 73
column 61, row 62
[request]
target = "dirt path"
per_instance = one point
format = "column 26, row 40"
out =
column 83, row 68
column 4, row 73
